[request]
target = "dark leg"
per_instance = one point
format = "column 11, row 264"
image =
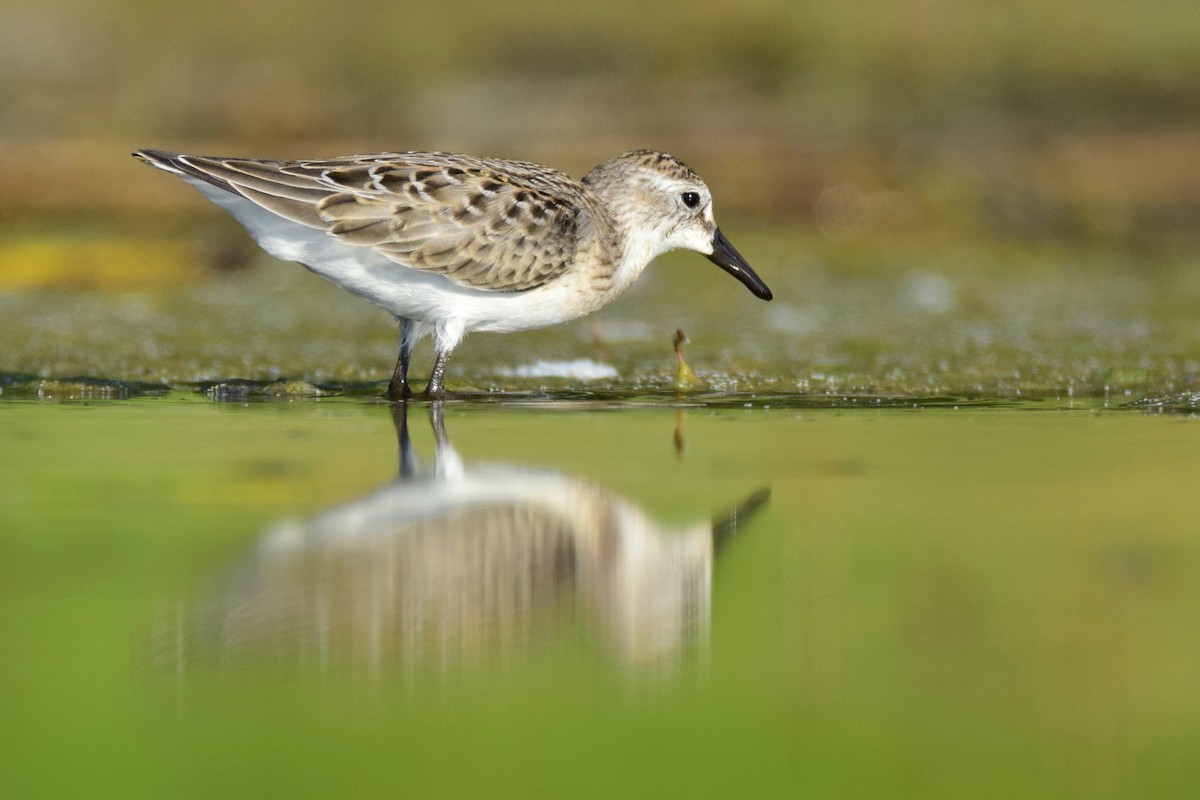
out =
column 398, row 388
column 437, row 386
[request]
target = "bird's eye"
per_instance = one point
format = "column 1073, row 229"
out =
column 690, row 199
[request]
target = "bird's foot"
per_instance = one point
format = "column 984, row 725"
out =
column 399, row 392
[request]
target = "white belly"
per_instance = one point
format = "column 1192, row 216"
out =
column 447, row 308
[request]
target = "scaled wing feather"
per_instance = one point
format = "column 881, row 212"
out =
column 481, row 223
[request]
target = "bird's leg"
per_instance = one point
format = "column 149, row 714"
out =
column 437, row 386
column 398, row 388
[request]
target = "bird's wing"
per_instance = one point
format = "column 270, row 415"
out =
column 483, row 223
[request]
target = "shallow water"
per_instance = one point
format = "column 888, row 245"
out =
column 928, row 530
column 256, row 599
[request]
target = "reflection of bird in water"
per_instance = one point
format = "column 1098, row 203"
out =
column 457, row 562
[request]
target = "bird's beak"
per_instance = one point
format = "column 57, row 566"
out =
column 730, row 260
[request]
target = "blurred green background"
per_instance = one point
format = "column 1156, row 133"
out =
column 1072, row 121
column 1016, row 184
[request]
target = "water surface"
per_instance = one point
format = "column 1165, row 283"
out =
column 216, row 599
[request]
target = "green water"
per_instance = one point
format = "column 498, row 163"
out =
column 973, row 601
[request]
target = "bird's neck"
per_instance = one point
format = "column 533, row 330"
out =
column 640, row 248
column 635, row 242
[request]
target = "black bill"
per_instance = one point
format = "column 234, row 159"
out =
column 730, row 260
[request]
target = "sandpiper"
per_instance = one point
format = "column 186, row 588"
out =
column 451, row 244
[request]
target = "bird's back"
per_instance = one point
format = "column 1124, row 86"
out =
column 485, row 224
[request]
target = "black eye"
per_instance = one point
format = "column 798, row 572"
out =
column 690, row 199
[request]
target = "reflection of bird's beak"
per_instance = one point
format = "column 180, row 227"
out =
column 725, row 528
column 730, row 260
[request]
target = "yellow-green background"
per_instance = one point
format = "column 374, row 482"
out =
column 947, row 198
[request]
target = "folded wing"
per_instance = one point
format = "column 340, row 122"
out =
column 483, row 223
